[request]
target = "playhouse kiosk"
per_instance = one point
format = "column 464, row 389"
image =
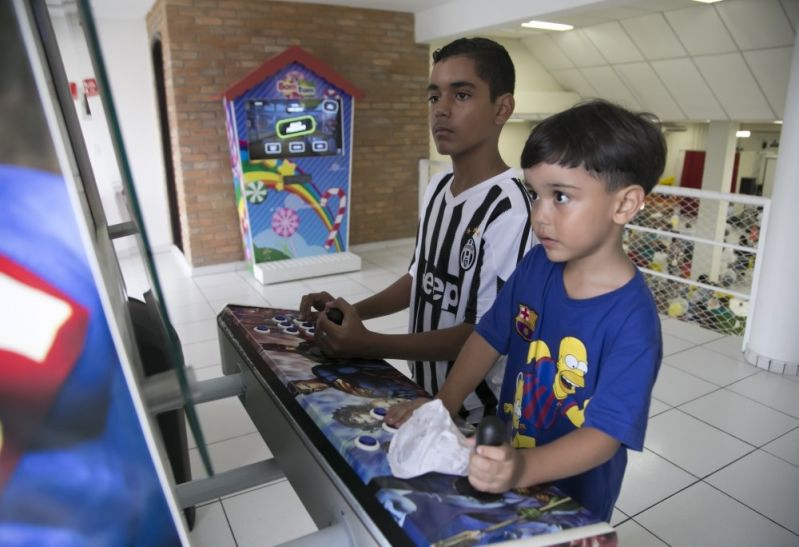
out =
column 289, row 126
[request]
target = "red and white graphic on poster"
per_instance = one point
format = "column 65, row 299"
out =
column 42, row 333
column 90, row 87
column 73, row 90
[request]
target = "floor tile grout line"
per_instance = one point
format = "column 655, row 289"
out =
column 647, row 508
column 756, row 400
column 722, row 386
column 261, row 486
column 229, row 525
column 679, row 407
column 718, row 388
column 695, row 343
column 650, row 531
column 717, row 428
column 237, row 437
column 226, row 438
column 702, row 477
column 750, row 508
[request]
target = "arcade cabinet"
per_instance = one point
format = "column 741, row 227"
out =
column 289, row 127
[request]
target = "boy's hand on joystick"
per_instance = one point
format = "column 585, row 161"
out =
column 490, row 432
column 340, row 331
column 312, row 303
column 495, row 466
column 335, row 315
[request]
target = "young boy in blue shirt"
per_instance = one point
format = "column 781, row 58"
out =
column 576, row 319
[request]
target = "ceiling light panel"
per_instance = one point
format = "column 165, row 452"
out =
column 580, row 50
column 652, row 94
column 689, row 89
column 614, row 43
column 547, row 52
column 772, row 68
column 605, row 80
column 735, row 88
column 574, row 80
column 757, row 25
column 701, row 31
column 654, row 37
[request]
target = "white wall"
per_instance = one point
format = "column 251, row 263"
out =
column 126, row 54
column 677, row 142
column 126, row 50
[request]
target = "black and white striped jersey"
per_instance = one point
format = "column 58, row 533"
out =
column 466, row 247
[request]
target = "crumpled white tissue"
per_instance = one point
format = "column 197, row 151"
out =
column 428, row 441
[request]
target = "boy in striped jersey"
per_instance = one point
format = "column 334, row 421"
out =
column 473, row 230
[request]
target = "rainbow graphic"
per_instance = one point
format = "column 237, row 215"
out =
column 272, row 173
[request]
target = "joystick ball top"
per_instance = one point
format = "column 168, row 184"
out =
column 335, row 315
column 491, row 431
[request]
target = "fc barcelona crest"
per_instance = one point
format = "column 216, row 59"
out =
column 525, row 322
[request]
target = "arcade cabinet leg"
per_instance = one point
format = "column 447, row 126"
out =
column 172, row 424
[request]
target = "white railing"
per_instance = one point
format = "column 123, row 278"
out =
column 699, row 251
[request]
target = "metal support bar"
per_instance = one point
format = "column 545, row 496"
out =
column 162, row 391
column 336, row 534
column 123, row 229
column 221, row 387
column 194, row 492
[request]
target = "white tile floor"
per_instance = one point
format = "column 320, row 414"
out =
column 721, row 458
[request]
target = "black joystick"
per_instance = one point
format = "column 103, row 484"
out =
column 335, row 315
column 490, row 432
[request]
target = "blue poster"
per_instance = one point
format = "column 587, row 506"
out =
column 74, row 465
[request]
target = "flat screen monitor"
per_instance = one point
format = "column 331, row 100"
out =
column 286, row 128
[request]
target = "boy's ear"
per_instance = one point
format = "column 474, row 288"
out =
column 629, row 201
column 504, row 106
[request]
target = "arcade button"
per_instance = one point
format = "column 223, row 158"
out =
column 389, row 429
column 287, row 325
column 311, row 331
column 281, row 319
column 378, row 413
column 367, row 442
column 263, row 329
column 291, row 330
column 304, row 324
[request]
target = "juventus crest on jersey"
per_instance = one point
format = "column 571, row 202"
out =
column 466, row 247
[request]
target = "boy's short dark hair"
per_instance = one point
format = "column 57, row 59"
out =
column 491, row 62
column 620, row 147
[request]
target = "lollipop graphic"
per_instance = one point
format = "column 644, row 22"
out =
column 285, row 222
column 255, row 192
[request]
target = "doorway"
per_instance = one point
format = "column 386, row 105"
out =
column 166, row 143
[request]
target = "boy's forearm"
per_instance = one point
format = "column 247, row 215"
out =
column 570, row 455
column 396, row 297
column 471, row 367
column 436, row 345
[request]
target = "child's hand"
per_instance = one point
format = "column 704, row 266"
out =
column 495, row 468
column 311, row 302
column 345, row 340
column 399, row 413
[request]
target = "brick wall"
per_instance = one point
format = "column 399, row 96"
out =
column 210, row 44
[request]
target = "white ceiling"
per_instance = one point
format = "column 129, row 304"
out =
column 726, row 61
column 680, row 59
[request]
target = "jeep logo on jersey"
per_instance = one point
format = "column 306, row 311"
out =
column 436, row 289
column 468, row 254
